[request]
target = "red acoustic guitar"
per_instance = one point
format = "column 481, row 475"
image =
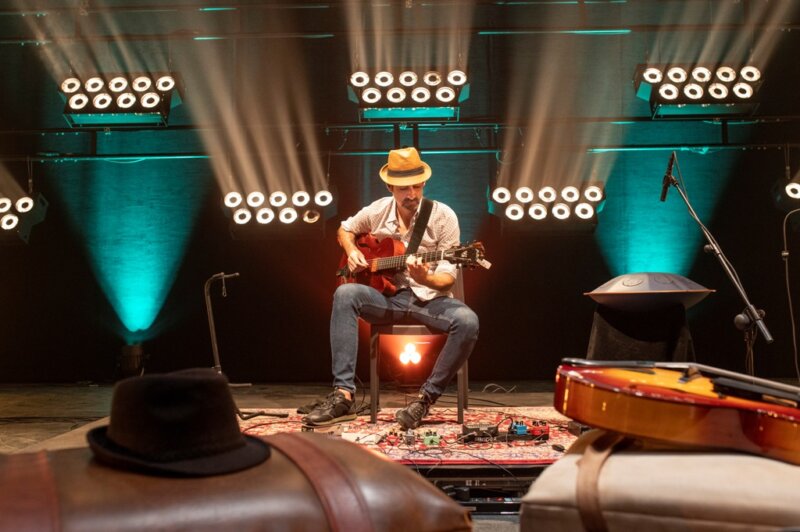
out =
column 386, row 256
column 682, row 403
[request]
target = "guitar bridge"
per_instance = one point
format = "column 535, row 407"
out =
column 754, row 392
column 691, row 373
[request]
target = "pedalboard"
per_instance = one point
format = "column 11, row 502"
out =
column 535, row 431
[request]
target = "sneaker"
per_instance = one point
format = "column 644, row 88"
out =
column 336, row 408
column 411, row 416
column 306, row 409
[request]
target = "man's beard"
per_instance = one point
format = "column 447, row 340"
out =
column 411, row 204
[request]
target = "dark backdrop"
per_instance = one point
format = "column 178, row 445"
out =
column 57, row 325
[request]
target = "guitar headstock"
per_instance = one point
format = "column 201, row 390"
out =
column 470, row 256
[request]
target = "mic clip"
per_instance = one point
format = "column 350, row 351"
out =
column 222, row 276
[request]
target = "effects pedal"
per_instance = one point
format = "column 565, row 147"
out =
column 431, row 438
column 576, row 429
column 540, row 430
column 331, row 430
column 482, row 432
column 537, row 430
column 392, row 438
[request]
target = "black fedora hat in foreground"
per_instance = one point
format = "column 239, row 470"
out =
column 182, row 424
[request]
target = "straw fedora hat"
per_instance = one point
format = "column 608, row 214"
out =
column 179, row 424
column 405, row 168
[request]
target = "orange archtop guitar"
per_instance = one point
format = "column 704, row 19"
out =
column 683, row 403
column 385, row 257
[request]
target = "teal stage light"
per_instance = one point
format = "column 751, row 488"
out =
column 792, row 185
column 135, row 222
column 408, row 95
column 118, row 100
column 547, row 208
column 792, row 189
column 18, row 215
column 278, row 214
column 786, row 191
column 695, row 90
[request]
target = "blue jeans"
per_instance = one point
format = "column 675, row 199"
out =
column 446, row 314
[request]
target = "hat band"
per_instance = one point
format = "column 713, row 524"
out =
column 405, row 173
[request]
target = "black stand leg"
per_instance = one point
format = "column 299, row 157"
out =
column 215, row 350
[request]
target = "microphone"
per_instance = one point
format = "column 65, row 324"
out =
column 667, row 177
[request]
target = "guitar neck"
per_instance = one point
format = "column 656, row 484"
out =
column 688, row 367
column 399, row 261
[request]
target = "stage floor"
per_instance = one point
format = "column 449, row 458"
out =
column 57, row 416
column 50, row 417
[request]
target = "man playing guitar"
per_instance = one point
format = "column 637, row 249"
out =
column 421, row 291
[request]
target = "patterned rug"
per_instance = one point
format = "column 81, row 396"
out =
column 499, row 436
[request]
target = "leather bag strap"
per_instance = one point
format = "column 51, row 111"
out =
column 344, row 505
column 29, row 495
column 587, row 495
column 419, row 226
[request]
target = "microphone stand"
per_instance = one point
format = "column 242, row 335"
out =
column 215, row 350
column 750, row 316
column 209, row 311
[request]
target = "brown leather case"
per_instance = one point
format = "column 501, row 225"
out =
column 340, row 486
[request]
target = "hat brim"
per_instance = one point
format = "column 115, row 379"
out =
column 406, row 180
column 252, row 453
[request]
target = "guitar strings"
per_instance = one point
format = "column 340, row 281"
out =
column 397, row 261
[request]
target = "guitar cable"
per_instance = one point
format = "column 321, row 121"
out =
column 785, row 257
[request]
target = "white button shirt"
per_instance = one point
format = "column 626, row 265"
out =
column 380, row 220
